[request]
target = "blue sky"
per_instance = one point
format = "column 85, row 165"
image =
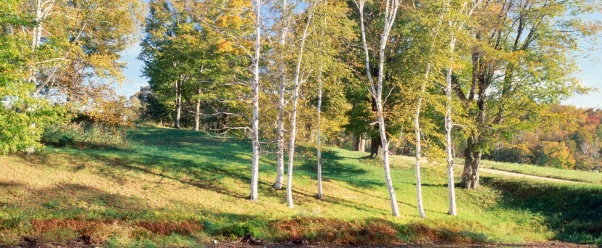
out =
column 132, row 72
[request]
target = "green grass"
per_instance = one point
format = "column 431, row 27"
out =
column 571, row 175
column 183, row 188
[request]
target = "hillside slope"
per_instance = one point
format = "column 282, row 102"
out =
column 178, row 188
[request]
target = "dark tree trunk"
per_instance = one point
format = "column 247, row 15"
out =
column 472, row 153
column 375, row 145
column 360, row 144
column 472, row 160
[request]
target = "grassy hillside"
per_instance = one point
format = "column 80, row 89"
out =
column 571, row 175
column 178, row 188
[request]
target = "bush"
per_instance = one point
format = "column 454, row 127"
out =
column 83, row 135
column 514, row 154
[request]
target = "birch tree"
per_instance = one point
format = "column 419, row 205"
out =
column 456, row 24
column 319, row 110
column 376, row 87
column 255, row 89
column 287, row 14
column 297, row 84
column 417, row 130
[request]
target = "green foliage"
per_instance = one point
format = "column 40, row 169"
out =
column 22, row 117
column 515, row 154
column 84, row 135
column 237, row 230
column 190, row 59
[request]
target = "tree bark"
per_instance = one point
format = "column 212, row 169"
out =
column 255, row 121
column 448, row 137
column 281, row 105
column 359, row 144
column 376, row 90
column 178, row 100
column 375, row 147
column 418, row 144
column 472, row 152
column 319, row 138
column 291, row 152
column 197, row 113
column 472, row 160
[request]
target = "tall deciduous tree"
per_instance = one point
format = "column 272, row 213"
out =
column 521, row 57
column 456, row 23
column 287, row 11
column 376, row 86
column 16, row 101
column 296, row 87
column 255, row 89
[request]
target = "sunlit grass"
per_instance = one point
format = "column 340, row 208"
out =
column 572, row 175
column 171, row 176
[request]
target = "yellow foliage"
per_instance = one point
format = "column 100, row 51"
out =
column 224, row 46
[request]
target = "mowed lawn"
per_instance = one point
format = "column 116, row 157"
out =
column 170, row 187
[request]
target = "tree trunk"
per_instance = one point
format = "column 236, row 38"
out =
column 291, row 152
column 376, row 89
column 387, row 167
column 197, row 113
column 281, row 107
column 255, row 121
column 375, row 147
column 319, row 138
column 360, row 144
column 418, row 144
column 178, row 104
column 473, row 153
column 449, row 146
column 472, row 160
column 448, row 134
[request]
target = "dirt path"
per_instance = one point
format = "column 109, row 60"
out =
column 514, row 174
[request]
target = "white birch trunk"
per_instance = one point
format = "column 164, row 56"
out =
column 448, row 132
column 197, row 112
column 178, row 103
column 255, row 120
column 43, row 9
column 448, row 116
column 291, row 151
column 390, row 14
column 418, row 143
column 319, row 138
column 281, row 104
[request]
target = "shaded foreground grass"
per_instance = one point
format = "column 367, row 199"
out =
column 182, row 188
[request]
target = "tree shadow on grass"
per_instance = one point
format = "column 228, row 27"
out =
column 73, row 200
column 572, row 211
column 204, row 161
column 333, row 169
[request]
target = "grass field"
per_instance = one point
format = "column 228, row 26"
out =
column 182, row 188
column 571, row 175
